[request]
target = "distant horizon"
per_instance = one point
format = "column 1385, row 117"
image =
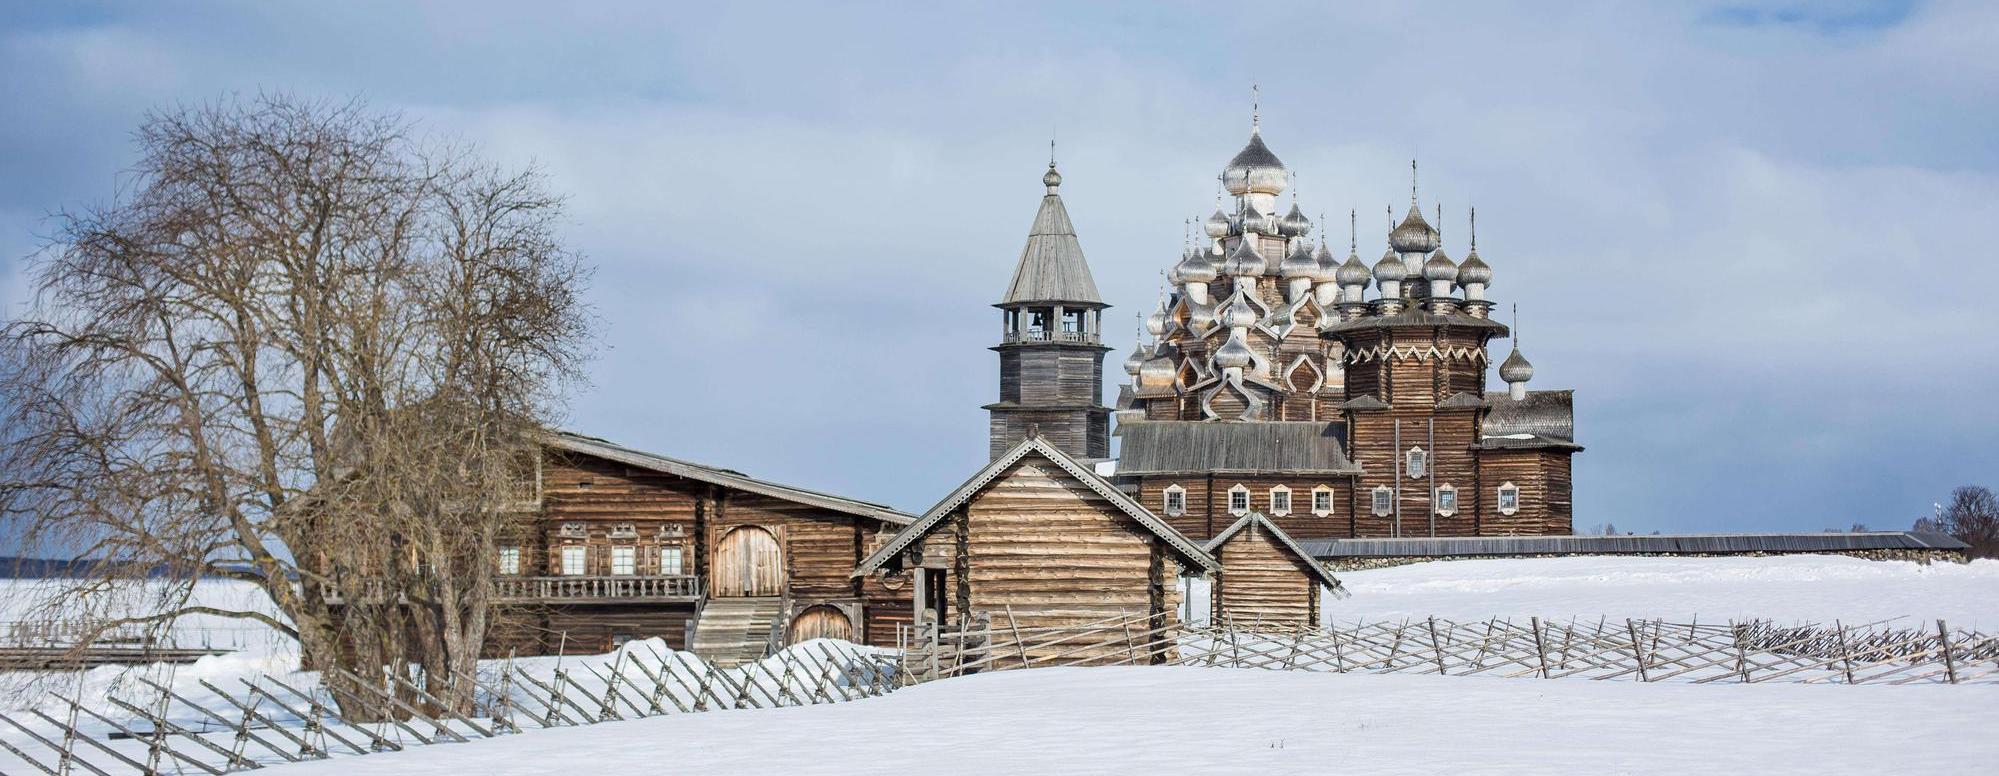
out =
column 1748, row 235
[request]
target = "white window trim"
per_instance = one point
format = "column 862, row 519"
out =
column 510, row 561
column 1322, row 490
column 1166, row 500
column 1438, row 500
column 625, row 557
column 1501, row 499
column 582, row 566
column 1243, row 490
column 1276, row 511
column 1375, row 500
column 1409, row 466
column 679, row 560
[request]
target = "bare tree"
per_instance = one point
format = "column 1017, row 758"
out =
column 306, row 349
column 1972, row 516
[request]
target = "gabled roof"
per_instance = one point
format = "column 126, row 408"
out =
column 1214, row 547
column 1035, row 445
column 1184, row 446
column 1051, row 267
column 592, row 446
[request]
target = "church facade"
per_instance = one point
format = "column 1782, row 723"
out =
column 1338, row 398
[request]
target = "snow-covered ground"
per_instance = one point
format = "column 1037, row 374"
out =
column 1788, row 589
column 1214, row 720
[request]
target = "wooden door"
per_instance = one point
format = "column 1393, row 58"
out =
column 748, row 563
column 821, row 622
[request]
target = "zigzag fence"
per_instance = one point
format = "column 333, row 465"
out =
column 1748, row 652
column 159, row 728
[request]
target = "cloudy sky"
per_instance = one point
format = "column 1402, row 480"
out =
column 1757, row 239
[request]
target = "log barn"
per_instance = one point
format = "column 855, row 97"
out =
column 1266, row 577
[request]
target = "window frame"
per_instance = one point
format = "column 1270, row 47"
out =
column 1325, row 491
column 1167, row 498
column 510, row 561
column 1243, row 491
column 679, row 567
column 1416, row 463
column 1275, row 491
column 581, row 568
column 1437, row 500
column 1507, row 492
column 1376, row 501
column 626, row 557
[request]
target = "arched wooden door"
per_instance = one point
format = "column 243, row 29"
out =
column 748, row 563
column 821, row 622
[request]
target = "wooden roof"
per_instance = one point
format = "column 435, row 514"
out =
column 1543, row 419
column 1051, row 267
column 592, row 446
column 1256, row 447
column 1214, row 547
column 1035, row 445
column 1688, row 544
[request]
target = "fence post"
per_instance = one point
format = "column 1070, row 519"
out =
column 1845, row 651
column 1637, row 649
column 1949, row 660
column 1435, row 649
column 1540, row 648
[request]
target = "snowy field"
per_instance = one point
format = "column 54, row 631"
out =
column 1228, row 721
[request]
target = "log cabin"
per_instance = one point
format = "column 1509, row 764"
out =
column 1266, row 577
column 1036, row 539
column 1274, row 383
column 619, row 544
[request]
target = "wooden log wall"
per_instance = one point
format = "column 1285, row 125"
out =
column 601, row 495
column 1208, row 511
column 1263, row 583
column 819, row 545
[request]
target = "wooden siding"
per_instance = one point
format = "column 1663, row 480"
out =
column 1208, row 512
column 1263, row 583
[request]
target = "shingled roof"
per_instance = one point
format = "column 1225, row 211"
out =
column 1182, row 446
column 1051, row 267
column 1545, row 419
column 599, row 448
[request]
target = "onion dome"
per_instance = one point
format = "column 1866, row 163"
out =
column 1254, row 222
column 1200, row 316
column 1389, row 269
column 1474, row 270
column 1199, row 266
column 1329, row 267
column 1440, row 267
column 1254, row 169
column 1233, row 354
column 1294, row 223
column 1353, row 272
column 1244, row 261
column 1300, row 263
column 1156, row 372
column 1414, row 235
column 1239, row 315
column 1051, row 179
column 1217, row 225
column 1515, row 368
column 1136, row 360
column 1155, row 324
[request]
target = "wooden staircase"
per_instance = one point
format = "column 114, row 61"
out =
column 734, row 631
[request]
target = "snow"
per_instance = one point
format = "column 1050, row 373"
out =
column 1792, row 589
column 1152, row 720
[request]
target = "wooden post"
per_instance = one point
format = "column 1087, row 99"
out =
column 1014, row 625
column 1845, row 651
column 1637, row 649
column 1435, row 649
column 1540, row 648
column 1949, row 660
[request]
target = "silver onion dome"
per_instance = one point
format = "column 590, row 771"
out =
column 1200, row 316
column 1294, row 223
column 1515, row 368
column 1474, row 270
column 1254, row 169
column 1136, row 360
column 1329, row 266
column 1155, row 324
column 1233, row 354
column 1051, row 178
column 1198, row 267
column 1440, row 267
column 1255, row 222
column 1353, row 272
column 1244, row 261
column 1217, row 225
column 1414, row 235
column 1299, row 263
column 1390, row 269
column 1156, row 372
column 1239, row 315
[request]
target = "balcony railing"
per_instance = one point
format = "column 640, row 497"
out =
column 680, row 587
column 1051, row 336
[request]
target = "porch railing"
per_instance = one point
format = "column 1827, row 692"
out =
column 682, row 587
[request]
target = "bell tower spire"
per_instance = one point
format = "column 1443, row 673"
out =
column 1051, row 346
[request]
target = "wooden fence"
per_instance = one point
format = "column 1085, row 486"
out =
column 1633, row 650
column 171, row 728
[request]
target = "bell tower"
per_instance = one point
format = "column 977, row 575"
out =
column 1051, row 346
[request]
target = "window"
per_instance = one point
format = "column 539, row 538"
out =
column 624, row 559
column 575, row 561
column 1175, row 500
column 1447, row 500
column 1384, row 500
column 669, row 560
column 1280, row 500
column 1239, row 500
column 1415, row 462
column 1509, row 498
column 1322, row 501
column 510, row 560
